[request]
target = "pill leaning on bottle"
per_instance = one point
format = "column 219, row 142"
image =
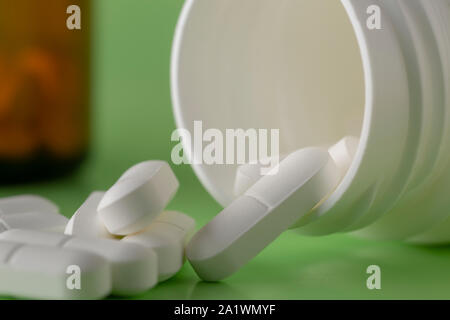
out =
column 343, row 153
column 138, row 197
column 167, row 236
column 43, row 272
column 86, row 222
column 269, row 207
column 134, row 268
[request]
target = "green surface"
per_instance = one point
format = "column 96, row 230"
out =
column 132, row 122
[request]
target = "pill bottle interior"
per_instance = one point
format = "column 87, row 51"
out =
column 290, row 65
column 44, row 89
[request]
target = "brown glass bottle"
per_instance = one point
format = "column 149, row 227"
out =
column 44, row 88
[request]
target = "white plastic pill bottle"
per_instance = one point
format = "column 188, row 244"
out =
column 319, row 70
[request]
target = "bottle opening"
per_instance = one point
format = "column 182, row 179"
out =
column 289, row 65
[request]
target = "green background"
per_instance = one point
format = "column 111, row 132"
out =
column 133, row 121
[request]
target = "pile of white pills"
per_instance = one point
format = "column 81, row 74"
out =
column 124, row 243
column 121, row 241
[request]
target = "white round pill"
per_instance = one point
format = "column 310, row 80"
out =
column 343, row 153
column 86, row 222
column 138, row 197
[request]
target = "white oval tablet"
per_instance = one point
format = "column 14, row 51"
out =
column 86, row 222
column 268, row 208
column 134, row 268
column 167, row 236
column 42, row 272
column 138, row 197
column 343, row 153
column 47, row 221
column 27, row 203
